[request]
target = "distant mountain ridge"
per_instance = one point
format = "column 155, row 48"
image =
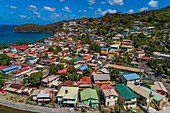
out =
column 160, row 15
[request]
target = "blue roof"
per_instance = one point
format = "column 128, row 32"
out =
column 48, row 45
column 9, row 68
column 83, row 67
column 130, row 76
column 103, row 48
column 64, row 43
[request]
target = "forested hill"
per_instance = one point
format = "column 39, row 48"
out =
column 161, row 16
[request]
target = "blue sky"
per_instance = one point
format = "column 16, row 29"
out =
column 16, row 12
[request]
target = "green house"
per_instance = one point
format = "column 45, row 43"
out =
column 90, row 96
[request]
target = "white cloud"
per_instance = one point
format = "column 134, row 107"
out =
column 153, row 3
column 84, row 11
column 66, row 9
column 45, row 8
column 91, row 2
column 69, row 16
column 79, row 11
column 143, row 9
column 130, row 11
column 37, row 13
column 102, row 2
column 12, row 7
column 54, row 16
column 31, row 8
column 100, row 12
column 90, row 7
column 23, row 16
column 115, row 2
column 61, row 0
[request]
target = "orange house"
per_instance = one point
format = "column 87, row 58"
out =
column 104, row 51
column 101, row 78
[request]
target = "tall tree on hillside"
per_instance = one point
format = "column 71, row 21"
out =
column 4, row 60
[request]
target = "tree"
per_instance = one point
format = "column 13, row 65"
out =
column 86, row 72
column 147, row 86
column 160, row 70
column 1, row 80
column 114, row 74
column 54, row 68
column 4, row 60
column 35, row 78
column 71, row 70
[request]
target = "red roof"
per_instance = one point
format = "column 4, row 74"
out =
column 68, row 83
column 84, row 80
column 16, row 71
column 24, row 68
column 14, row 65
column 23, row 64
column 20, row 47
column 65, row 51
column 62, row 71
column 106, row 87
column 79, row 46
column 87, row 57
column 49, row 52
column 2, row 67
column 32, row 52
column 145, row 58
column 52, row 60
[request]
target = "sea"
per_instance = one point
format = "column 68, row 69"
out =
column 7, row 35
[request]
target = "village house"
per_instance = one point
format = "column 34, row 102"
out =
column 101, row 78
column 128, row 97
column 104, row 51
column 85, row 82
column 130, row 77
column 109, row 95
column 159, row 101
column 89, row 96
column 159, row 88
column 67, row 96
column 42, row 95
column 15, row 49
column 144, row 97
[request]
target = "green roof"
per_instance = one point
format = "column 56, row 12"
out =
column 125, row 91
column 68, row 59
column 77, row 59
column 21, row 53
column 30, row 58
column 110, row 58
column 156, row 96
column 89, row 94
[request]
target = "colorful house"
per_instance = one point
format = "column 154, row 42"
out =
column 89, row 96
column 104, row 51
column 159, row 88
column 101, row 78
column 127, row 96
column 21, row 48
column 85, row 82
column 129, row 77
column 158, row 101
column 109, row 94
column 67, row 96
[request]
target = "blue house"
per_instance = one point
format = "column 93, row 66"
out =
column 10, row 69
column 129, row 77
column 91, row 36
column 83, row 67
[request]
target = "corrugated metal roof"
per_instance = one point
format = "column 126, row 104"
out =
column 125, row 91
column 130, row 76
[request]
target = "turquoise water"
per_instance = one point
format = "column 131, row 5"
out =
column 9, row 37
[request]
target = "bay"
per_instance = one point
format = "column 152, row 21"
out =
column 9, row 37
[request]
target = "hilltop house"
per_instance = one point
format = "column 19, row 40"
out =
column 67, row 96
column 21, row 48
column 89, row 96
column 127, row 96
column 109, row 94
column 158, row 101
column 101, row 78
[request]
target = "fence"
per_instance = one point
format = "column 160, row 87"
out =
column 33, row 108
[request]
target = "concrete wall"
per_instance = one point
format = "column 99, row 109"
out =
column 27, row 107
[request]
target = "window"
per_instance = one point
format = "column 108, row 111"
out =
column 108, row 97
column 107, row 103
